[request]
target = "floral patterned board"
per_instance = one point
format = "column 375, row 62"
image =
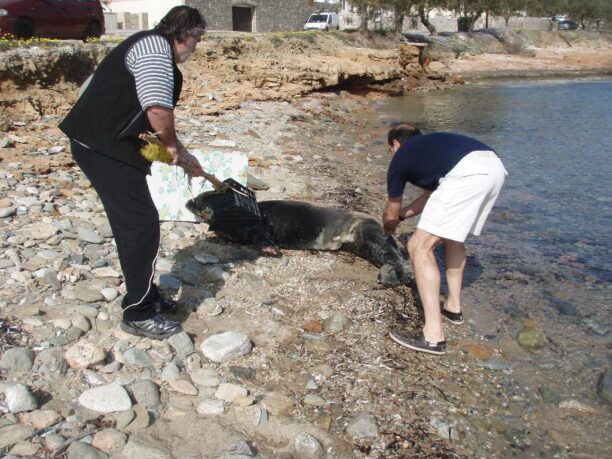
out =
column 170, row 188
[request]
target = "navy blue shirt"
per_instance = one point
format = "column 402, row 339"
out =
column 424, row 159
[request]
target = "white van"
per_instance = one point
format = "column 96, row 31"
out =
column 322, row 21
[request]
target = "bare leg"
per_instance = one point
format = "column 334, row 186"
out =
column 454, row 254
column 421, row 249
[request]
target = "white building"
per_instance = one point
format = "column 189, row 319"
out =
column 155, row 9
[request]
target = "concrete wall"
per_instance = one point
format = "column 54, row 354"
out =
column 269, row 15
column 449, row 24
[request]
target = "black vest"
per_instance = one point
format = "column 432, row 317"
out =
column 108, row 117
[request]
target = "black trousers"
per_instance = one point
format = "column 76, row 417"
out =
column 134, row 219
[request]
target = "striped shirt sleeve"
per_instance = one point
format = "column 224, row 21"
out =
column 150, row 61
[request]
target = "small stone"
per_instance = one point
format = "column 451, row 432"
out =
column 531, row 338
column 41, row 419
column 24, row 448
column 313, row 326
column 209, row 307
column 229, row 392
column 17, row 359
column 575, row 405
column 182, row 344
column 109, row 440
column 307, row 447
column 183, row 387
column 336, row 323
column 137, row 357
column 13, row 434
column 19, row 399
column 170, row 372
column 167, row 282
column 313, row 400
column 124, row 419
column 89, row 235
column 109, row 294
column 54, row 441
column 206, row 258
column 142, row 419
column 226, row 346
column 141, row 447
column 81, row 450
column 277, row 404
column 145, row 392
column 210, row 408
column 363, row 425
column 106, row 399
column 205, row 377
column 84, row 355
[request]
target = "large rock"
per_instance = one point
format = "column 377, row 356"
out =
column 84, row 354
column 106, row 399
column 226, row 346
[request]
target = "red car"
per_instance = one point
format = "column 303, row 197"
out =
column 80, row 19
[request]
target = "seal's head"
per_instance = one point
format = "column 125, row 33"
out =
column 201, row 206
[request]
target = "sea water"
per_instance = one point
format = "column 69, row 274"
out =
column 545, row 251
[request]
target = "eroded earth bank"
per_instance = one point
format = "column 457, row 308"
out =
column 322, row 379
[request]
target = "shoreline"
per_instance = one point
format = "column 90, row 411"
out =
column 318, row 320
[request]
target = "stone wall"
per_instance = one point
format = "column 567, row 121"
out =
column 269, row 15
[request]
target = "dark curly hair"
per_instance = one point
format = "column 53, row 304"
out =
column 180, row 22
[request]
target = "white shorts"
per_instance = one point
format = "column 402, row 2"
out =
column 464, row 197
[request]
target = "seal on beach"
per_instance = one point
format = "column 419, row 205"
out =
column 302, row 226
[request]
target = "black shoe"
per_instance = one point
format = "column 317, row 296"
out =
column 417, row 342
column 453, row 317
column 165, row 306
column 157, row 327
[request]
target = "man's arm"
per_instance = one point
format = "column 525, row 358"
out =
column 415, row 207
column 162, row 122
column 391, row 214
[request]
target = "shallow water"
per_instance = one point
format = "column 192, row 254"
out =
column 554, row 138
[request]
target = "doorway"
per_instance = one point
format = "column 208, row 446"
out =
column 242, row 18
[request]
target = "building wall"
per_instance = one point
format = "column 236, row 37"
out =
column 269, row 15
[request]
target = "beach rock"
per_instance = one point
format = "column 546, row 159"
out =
column 41, row 419
column 210, row 408
column 532, row 338
column 306, row 446
column 363, row 426
column 277, row 404
column 14, row 434
column 17, row 359
column 182, row 387
column 40, row 231
column 109, row 440
column 145, row 392
column 170, row 372
column 23, row 449
column 205, row 377
column 106, row 399
column 182, row 344
column 313, row 400
column 84, row 354
column 89, row 235
column 226, row 346
column 206, row 258
column 19, row 399
column 137, row 357
column 141, row 446
column 229, row 392
column 335, row 323
column 81, row 450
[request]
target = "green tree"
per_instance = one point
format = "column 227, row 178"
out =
column 470, row 10
column 507, row 8
column 589, row 11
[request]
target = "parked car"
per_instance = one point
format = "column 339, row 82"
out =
column 566, row 25
column 322, row 21
column 79, row 19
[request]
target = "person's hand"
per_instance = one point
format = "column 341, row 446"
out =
column 190, row 163
column 390, row 226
